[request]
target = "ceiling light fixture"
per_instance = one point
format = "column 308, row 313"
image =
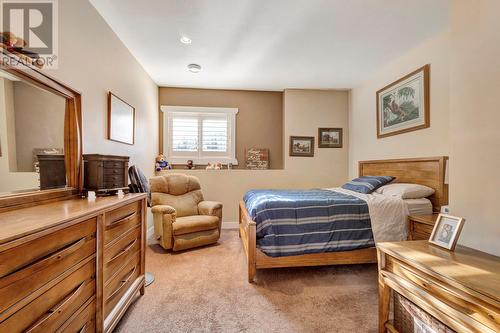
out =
column 185, row 40
column 194, row 68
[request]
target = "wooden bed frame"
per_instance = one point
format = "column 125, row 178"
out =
column 425, row 171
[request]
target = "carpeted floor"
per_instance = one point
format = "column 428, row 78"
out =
column 206, row 290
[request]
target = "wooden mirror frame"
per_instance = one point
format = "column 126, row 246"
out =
column 72, row 135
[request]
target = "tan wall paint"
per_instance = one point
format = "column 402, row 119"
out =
column 465, row 81
column 258, row 123
column 433, row 141
column 10, row 181
column 39, row 122
column 475, row 119
column 304, row 111
column 93, row 60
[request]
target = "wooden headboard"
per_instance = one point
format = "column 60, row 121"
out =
column 429, row 171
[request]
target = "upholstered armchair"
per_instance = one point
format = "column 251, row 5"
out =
column 182, row 218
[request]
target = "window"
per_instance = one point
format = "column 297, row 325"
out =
column 199, row 134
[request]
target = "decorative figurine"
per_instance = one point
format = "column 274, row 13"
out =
column 190, row 164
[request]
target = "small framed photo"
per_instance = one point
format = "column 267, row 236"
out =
column 330, row 137
column 302, row 146
column 446, row 231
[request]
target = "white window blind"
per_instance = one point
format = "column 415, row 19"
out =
column 184, row 134
column 201, row 134
column 214, row 134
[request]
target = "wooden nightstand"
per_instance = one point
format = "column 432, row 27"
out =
column 420, row 226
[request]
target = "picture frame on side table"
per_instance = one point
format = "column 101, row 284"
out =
column 446, row 231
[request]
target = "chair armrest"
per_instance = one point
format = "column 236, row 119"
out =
column 163, row 209
column 163, row 218
column 209, row 208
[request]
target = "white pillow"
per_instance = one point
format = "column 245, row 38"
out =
column 405, row 191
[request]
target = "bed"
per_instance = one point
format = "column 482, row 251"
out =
column 424, row 171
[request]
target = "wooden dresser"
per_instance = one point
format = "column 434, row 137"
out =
column 460, row 289
column 105, row 171
column 72, row 265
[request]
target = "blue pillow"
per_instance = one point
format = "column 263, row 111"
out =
column 367, row 184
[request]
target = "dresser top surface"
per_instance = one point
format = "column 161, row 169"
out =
column 471, row 268
column 21, row 222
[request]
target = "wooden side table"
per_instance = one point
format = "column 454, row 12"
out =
column 420, row 226
column 460, row 289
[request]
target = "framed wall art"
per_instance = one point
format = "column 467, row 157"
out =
column 121, row 120
column 302, row 146
column 330, row 137
column 403, row 106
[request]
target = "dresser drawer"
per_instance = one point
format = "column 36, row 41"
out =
column 121, row 220
column 121, row 282
column 120, row 252
column 114, row 165
column 454, row 298
column 422, row 229
column 51, row 309
column 24, row 281
column 119, row 172
column 46, row 249
column 83, row 322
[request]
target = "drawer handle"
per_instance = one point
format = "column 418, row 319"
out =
column 44, row 262
column 125, row 250
column 122, row 221
column 83, row 329
column 122, row 284
column 57, row 309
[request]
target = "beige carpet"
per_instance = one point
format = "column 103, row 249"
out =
column 206, row 290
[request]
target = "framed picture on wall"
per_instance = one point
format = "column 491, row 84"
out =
column 302, row 146
column 403, row 106
column 330, row 137
column 121, row 120
column 446, row 231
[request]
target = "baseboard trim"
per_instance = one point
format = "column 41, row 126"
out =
column 230, row 225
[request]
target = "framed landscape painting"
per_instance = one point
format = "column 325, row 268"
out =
column 302, row 146
column 330, row 137
column 403, row 106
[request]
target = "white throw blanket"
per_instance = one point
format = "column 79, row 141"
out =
column 388, row 215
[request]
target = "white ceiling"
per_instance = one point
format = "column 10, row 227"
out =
column 270, row 44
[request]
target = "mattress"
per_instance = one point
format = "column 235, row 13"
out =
column 295, row 222
column 421, row 206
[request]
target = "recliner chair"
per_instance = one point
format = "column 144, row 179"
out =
column 182, row 218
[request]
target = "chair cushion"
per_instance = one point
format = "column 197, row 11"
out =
column 194, row 223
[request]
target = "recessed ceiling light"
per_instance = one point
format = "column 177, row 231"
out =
column 185, row 40
column 194, row 68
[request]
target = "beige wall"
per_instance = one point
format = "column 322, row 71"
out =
column 93, row 60
column 433, row 141
column 465, row 82
column 475, row 119
column 10, row 181
column 258, row 123
column 304, row 111
column 39, row 122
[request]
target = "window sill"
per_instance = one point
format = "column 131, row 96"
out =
column 202, row 161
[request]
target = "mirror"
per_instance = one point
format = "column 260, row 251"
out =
column 32, row 132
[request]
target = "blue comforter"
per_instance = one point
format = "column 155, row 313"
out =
column 293, row 222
